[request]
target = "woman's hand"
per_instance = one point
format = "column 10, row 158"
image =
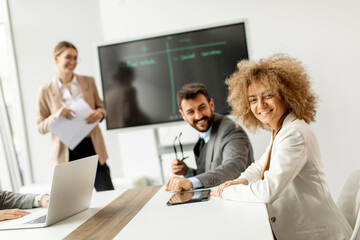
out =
column 67, row 112
column 94, row 116
column 8, row 214
column 226, row 184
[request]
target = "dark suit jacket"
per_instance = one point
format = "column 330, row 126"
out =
column 9, row 200
column 228, row 153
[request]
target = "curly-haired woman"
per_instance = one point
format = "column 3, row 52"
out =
column 275, row 94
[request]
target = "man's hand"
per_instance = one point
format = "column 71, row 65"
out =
column 178, row 184
column 45, row 200
column 8, row 214
column 179, row 167
column 219, row 191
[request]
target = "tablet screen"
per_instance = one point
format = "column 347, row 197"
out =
column 189, row 197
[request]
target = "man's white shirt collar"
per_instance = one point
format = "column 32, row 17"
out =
column 206, row 135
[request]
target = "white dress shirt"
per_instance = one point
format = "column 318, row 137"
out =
column 70, row 97
column 74, row 95
column 194, row 180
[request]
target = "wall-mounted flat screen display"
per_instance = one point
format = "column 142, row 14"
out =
column 140, row 78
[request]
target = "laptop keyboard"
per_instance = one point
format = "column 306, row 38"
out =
column 41, row 219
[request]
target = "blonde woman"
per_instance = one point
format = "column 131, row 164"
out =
column 55, row 98
column 275, row 94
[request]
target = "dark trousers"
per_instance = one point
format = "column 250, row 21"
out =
column 86, row 149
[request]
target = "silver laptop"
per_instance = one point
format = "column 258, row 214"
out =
column 71, row 192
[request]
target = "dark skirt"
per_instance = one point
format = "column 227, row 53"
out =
column 85, row 149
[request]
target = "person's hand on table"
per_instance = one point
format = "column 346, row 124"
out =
column 179, row 167
column 219, row 191
column 178, row 184
column 94, row 116
column 8, row 214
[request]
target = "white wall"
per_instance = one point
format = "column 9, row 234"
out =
column 323, row 34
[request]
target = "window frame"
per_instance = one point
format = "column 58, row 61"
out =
column 18, row 174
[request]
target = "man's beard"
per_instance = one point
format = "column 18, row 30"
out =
column 210, row 121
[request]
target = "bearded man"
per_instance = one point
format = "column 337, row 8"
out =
column 223, row 150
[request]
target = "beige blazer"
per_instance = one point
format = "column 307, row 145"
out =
column 295, row 188
column 49, row 103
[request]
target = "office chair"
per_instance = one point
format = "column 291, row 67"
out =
column 349, row 202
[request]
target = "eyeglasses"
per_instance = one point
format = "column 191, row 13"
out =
column 181, row 148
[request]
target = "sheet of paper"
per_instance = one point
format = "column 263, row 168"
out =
column 72, row 131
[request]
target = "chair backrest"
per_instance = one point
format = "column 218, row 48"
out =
column 349, row 202
column 356, row 233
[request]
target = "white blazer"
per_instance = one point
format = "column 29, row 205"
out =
column 295, row 189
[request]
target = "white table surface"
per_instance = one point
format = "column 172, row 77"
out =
column 213, row 219
column 63, row 228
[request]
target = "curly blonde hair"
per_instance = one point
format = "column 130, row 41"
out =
column 284, row 75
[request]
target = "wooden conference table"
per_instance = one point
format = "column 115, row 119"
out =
column 141, row 213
